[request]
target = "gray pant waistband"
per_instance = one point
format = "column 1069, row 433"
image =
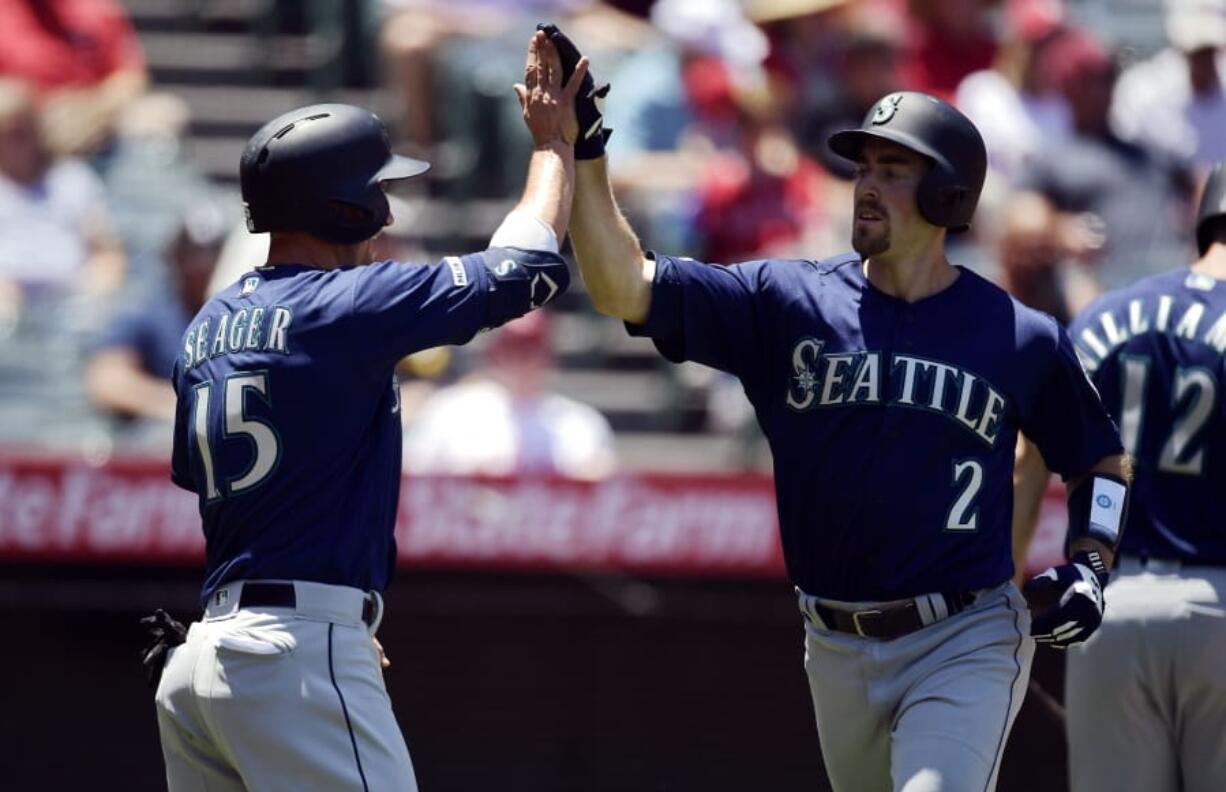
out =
column 340, row 604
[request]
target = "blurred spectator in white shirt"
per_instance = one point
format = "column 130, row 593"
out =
column 1016, row 104
column 505, row 420
column 1174, row 101
column 55, row 233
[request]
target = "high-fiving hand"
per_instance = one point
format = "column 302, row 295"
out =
column 589, row 105
column 548, row 106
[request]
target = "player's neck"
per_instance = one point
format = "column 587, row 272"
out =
column 911, row 279
column 292, row 247
column 1213, row 263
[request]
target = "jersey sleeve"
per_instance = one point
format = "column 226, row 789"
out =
column 707, row 313
column 1067, row 420
column 404, row 308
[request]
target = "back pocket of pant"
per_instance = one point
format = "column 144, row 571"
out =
column 256, row 643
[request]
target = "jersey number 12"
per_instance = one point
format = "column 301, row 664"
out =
column 1194, row 387
column 236, row 423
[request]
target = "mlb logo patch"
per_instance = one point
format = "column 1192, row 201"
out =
column 249, row 285
column 459, row 275
column 221, row 597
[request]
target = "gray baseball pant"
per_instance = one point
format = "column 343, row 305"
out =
column 1146, row 695
column 280, row 699
column 926, row 712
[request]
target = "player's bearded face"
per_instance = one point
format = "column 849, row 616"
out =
column 870, row 233
column 887, row 177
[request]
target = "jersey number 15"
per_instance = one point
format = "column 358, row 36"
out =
column 265, row 444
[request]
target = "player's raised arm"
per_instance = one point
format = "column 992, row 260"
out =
column 617, row 275
column 414, row 307
column 539, row 221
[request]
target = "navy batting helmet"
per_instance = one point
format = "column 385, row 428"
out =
column 1212, row 208
column 949, row 192
column 317, row 169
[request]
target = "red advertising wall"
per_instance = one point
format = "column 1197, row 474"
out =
column 128, row 511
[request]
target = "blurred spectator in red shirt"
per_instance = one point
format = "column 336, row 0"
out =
column 947, row 40
column 756, row 198
column 83, row 60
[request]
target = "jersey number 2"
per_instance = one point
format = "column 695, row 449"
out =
column 266, row 446
column 964, row 514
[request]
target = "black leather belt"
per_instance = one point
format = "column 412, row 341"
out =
column 281, row 595
column 889, row 622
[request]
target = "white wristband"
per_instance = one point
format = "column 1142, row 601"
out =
column 526, row 231
column 1107, row 507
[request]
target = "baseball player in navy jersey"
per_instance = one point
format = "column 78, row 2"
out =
column 1146, row 696
column 891, row 386
column 288, row 430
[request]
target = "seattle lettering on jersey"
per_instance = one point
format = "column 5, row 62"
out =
column 243, row 330
column 825, row 380
column 1148, row 314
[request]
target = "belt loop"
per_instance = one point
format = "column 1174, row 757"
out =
column 940, row 607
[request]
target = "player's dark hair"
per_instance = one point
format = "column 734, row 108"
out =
column 1213, row 231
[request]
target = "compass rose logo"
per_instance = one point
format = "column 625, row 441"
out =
column 804, row 380
column 886, row 109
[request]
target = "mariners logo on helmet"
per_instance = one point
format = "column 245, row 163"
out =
column 886, row 108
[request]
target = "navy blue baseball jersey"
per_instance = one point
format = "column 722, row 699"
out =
column 892, row 424
column 288, row 423
column 1155, row 351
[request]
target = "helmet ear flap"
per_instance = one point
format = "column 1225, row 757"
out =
column 943, row 201
column 351, row 219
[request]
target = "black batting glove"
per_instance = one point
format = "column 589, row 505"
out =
column 164, row 632
column 589, row 102
column 1069, row 601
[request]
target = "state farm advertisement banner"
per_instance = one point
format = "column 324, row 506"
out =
column 128, row 511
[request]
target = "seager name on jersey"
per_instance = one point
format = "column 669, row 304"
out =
column 1151, row 313
column 822, row 380
column 244, row 330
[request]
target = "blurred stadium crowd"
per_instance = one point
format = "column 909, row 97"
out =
column 121, row 124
